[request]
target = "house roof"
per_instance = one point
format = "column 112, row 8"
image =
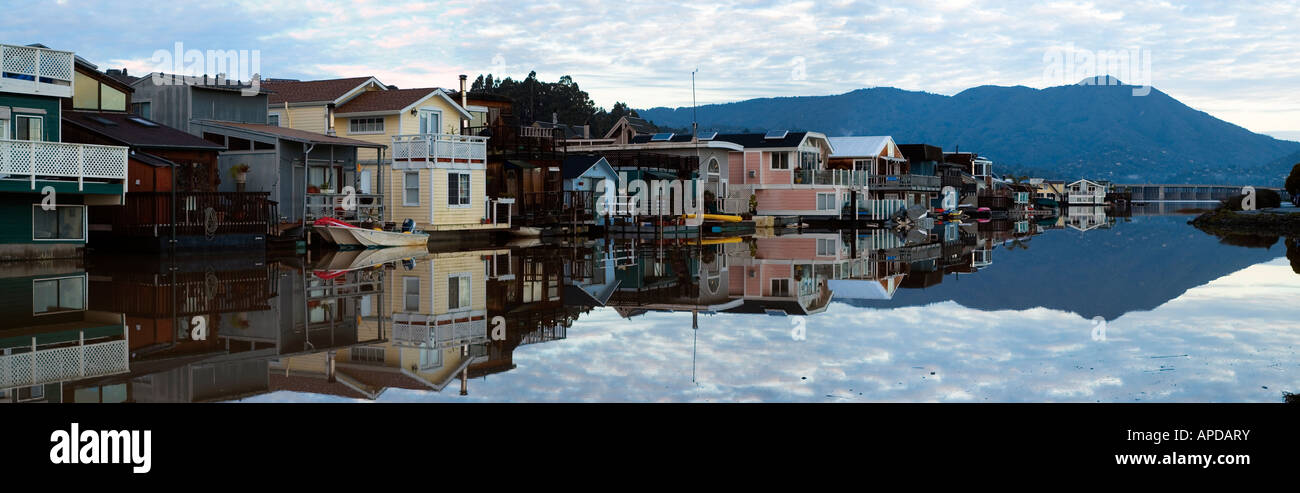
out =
column 859, row 146
column 129, row 130
column 390, row 100
column 151, row 160
column 292, row 134
column 396, row 100
column 199, row 81
column 575, row 166
column 570, row 131
column 792, row 139
column 311, row 91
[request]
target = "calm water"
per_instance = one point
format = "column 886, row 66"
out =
column 1094, row 309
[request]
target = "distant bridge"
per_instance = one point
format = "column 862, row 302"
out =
column 1183, row 192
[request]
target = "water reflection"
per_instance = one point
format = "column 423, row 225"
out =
column 1079, row 308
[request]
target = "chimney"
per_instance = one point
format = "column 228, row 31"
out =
column 464, row 102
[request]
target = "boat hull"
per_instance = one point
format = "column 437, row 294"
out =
column 378, row 239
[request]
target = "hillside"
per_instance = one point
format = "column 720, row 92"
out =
column 1094, row 131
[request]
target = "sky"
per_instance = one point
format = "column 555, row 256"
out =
column 1238, row 61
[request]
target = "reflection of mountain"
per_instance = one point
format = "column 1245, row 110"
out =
column 1106, row 272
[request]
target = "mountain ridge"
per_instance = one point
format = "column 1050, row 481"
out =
column 1097, row 131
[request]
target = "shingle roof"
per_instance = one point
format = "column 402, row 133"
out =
column 293, row 134
column 126, row 129
column 310, row 91
column 791, row 139
column 390, row 100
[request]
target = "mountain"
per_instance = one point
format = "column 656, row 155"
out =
column 1075, row 131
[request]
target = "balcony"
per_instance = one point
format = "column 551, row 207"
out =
column 63, row 364
column 38, row 71
column 839, row 177
column 905, row 182
column 439, row 331
column 438, row 151
column 44, row 160
column 522, row 142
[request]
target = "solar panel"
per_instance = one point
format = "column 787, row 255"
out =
column 776, row 134
column 663, row 137
column 102, row 121
column 707, row 135
column 141, row 121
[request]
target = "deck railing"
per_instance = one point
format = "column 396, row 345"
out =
column 439, row 331
column 32, row 70
column 63, row 364
column 840, row 177
column 367, row 208
column 194, row 213
column 905, row 182
column 39, row 160
column 429, row 150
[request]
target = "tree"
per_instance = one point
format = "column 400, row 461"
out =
column 1292, row 185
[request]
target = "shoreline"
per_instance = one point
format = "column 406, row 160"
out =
column 1259, row 223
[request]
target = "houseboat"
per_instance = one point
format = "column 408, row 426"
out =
column 48, row 185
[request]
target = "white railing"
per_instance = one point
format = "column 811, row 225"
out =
column 439, row 148
column 34, row 159
column 31, row 70
column 439, row 331
column 63, row 364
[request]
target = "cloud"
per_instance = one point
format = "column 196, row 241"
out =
column 1237, row 61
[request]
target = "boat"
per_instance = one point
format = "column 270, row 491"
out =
column 726, row 218
column 526, row 231
column 336, row 263
column 345, row 235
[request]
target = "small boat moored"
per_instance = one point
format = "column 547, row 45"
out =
column 345, row 235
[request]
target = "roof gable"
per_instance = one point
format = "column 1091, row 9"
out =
column 315, row 91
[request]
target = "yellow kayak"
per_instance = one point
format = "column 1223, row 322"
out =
column 716, row 217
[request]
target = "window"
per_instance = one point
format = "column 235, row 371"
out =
column 273, row 119
column 458, row 189
column 458, row 292
column 411, row 188
column 810, row 160
column 111, row 99
column 366, row 126
column 430, row 122
column 366, row 354
column 825, row 201
column 86, row 92
column 780, row 287
column 143, row 109
column 65, row 222
column 410, row 294
column 827, row 246
column 29, row 128
column 780, row 160
column 66, row 294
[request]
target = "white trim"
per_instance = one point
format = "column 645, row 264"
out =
column 340, row 100
column 85, row 294
column 84, row 223
column 381, row 131
column 417, row 189
column 405, row 292
column 470, row 195
column 469, row 306
column 419, row 117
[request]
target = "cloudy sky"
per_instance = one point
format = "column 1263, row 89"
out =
column 1237, row 61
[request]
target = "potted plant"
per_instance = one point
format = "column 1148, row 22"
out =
column 240, row 173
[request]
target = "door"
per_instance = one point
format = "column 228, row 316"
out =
column 4, row 129
column 363, row 182
column 430, row 122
